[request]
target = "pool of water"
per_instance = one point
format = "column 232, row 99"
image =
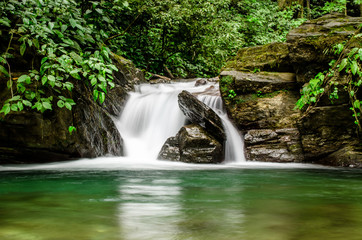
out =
column 251, row 202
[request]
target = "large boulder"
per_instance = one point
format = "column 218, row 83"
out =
column 199, row 113
column 192, row 144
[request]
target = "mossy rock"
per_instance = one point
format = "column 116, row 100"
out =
column 270, row 57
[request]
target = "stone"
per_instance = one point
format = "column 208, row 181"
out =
column 270, row 57
column 326, row 130
column 200, row 82
column 170, row 150
column 281, row 145
column 199, row 113
column 262, row 83
column 192, row 144
column 311, row 44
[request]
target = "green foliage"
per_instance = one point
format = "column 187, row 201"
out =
column 195, row 38
column 71, row 129
column 70, row 48
column 348, row 65
column 231, row 94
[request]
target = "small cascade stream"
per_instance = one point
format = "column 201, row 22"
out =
column 152, row 115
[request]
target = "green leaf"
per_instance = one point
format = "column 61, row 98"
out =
column 36, row 43
column 51, row 25
column 22, row 48
column 72, row 129
column 44, row 60
column 74, row 73
column 26, row 21
column 20, row 106
column 63, row 27
column 27, row 103
column 351, row 93
column 94, row 81
column 357, row 104
column 95, row 94
column 14, row 107
column 354, row 67
column 44, row 80
column 9, row 83
column 76, row 57
column 343, row 64
column 38, row 106
column 2, row 60
column 60, row 103
column 59, row 33
column 47, row 105
column 101, row 78
column 72, row 22
column 102, row 97
column 68, row 106
column 24, row 78
column 5, row 22
column 4, row 71
column 5, row 109
column 51, row 80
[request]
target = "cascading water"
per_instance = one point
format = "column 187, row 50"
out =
column 152, row 115
column 234, row 145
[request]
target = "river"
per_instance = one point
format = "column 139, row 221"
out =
column 137, row 197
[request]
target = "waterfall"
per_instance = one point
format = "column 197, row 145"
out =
column 234, row 145
column 151, row 115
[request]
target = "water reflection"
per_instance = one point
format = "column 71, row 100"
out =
column 150, row 210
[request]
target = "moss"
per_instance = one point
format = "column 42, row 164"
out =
column 265, row 57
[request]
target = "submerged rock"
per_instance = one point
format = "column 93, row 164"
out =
column 192, row 144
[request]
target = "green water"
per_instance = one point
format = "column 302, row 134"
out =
column 250, row 204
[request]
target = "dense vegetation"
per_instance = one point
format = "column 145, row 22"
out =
column 74, row 40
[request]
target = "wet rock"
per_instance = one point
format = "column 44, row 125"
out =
column 200, row 82
column 199, row 113
column 281, row 145
column 170, row 150
column 192, row 144
column 326, row 130
column 348, row 156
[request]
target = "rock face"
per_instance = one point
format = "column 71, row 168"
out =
column 199, row 113
column 200, row 142
column 263, row 107
column 311, row 44
column 29, row 137
column 192, row 144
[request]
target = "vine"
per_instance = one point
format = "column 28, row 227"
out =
column 347, row 65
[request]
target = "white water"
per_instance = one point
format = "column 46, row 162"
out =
column 152, row 115
column 234, row 145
